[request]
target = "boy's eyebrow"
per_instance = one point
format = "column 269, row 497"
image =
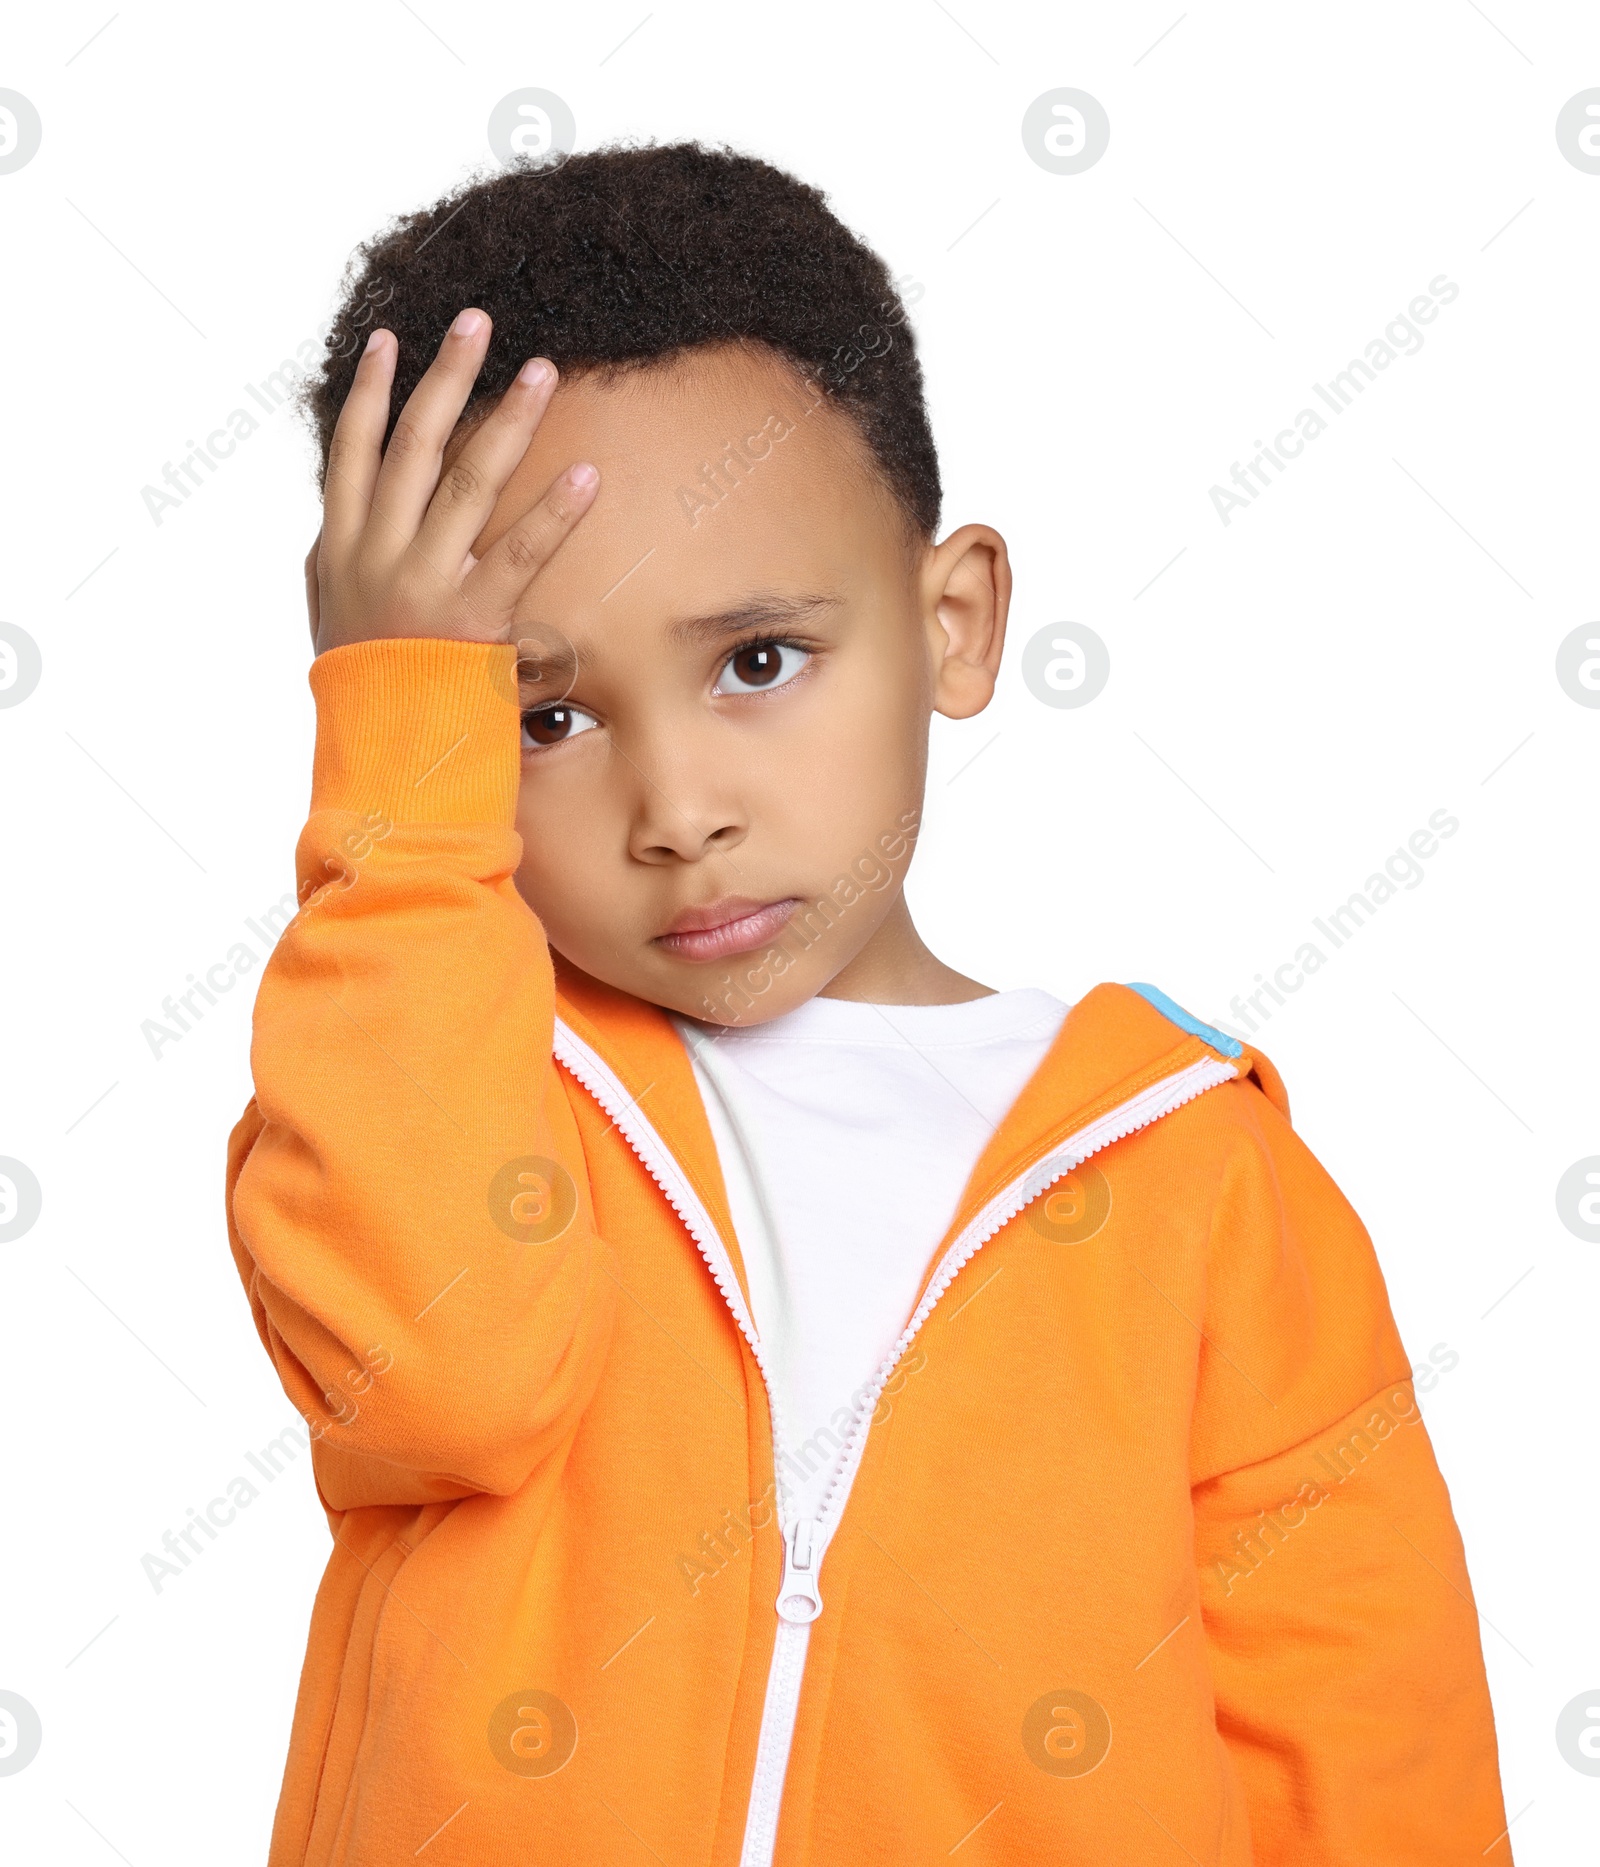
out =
column 762, row 610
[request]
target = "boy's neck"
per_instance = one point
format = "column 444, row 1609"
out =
column 896, row 968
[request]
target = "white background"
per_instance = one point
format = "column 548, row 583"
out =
column 1372, row 640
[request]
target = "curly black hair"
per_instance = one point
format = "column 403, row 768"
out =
column 624, row 256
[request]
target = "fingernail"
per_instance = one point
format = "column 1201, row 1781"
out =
column 534, row 373
column 468, row 323
column 372, row 341
column 583, row 475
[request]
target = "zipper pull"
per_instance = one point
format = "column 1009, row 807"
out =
column 799, row 1599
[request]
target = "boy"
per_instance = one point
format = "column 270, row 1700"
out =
column 775, row 1400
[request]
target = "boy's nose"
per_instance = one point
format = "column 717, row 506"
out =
column 669, row 829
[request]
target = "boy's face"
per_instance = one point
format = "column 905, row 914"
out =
column 721, row 785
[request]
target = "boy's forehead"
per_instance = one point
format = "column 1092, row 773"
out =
column 721, row 473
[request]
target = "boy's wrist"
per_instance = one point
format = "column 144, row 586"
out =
column 419, row 729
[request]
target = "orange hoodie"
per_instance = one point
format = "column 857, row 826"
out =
column 1137, row 1550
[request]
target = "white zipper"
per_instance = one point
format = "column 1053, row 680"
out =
column 806, row 1539
column 585, row 1063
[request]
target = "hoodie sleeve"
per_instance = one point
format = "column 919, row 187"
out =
column 406, row 1198
column 1344, row 1642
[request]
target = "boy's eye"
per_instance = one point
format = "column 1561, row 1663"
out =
column 760, row 665
column 548, row 726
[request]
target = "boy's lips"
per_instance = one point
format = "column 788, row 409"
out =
column 727, row 927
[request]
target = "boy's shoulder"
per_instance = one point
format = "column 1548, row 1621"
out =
column 1174, row 1013
column 1211, row 1114
column 1126, row 1042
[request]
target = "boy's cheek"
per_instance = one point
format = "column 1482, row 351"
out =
column 560, row 877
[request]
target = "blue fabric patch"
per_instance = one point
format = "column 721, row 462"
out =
column 1218, row 1040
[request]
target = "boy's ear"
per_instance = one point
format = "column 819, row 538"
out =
column 966, row 588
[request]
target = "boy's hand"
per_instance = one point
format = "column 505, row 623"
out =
column 394, row 556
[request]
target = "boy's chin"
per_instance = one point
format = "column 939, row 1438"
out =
column 742, row 995
column 733, row 994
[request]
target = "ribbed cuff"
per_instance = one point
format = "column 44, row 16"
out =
column 420, row 729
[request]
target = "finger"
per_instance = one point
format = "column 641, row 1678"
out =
column 313, row 591
column 411, row 461
column 511, row 563
column 355, row 451
column 471, row 485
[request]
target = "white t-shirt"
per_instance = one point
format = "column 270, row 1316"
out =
column 846, row 1134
